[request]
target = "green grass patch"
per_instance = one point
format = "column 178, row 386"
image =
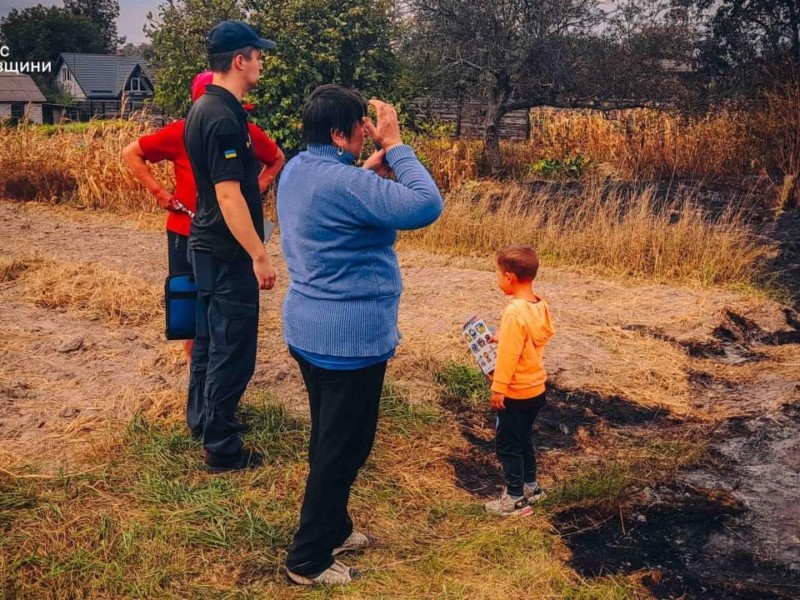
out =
column 398, row 415
column 677, row 454
column 462, row 382
column 602, row 484
column 81, row 127
column 279, row 435
column 14, row 497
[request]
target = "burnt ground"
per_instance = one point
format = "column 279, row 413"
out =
column 786, row 265
column 722, row 528
column 561, row 425
column 731, row 342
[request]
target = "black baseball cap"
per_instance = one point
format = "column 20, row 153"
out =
column 232, row 35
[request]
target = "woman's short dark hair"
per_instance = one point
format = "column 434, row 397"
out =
column 331, row 107
column 221, row 62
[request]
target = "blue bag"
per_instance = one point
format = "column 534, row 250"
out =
column 180, row 299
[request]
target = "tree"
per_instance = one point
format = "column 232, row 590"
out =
column 103, row 14
column 178, row 45
column 144, row 50
column 41, row 33
column 748, row 45
column 346, row 42
column 319, row 41
column 518, row 54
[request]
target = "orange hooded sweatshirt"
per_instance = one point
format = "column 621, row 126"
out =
column 525, row 328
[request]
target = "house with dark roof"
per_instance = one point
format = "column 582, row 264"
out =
column 20, row 98
column 104, row 85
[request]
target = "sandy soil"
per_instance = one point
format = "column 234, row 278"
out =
column 670, row 347
column 697, row 355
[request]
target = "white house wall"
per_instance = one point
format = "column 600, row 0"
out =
column 71, row 86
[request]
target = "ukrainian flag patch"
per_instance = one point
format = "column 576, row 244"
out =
column 230, row 153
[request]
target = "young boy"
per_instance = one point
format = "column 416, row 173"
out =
column 518, row 381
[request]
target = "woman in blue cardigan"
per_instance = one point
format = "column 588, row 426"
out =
column 338, row 224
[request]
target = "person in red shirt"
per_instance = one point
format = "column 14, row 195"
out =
column 167, row 144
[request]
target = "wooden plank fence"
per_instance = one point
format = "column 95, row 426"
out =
column 468, row 118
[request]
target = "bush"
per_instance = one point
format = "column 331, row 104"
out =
column 574, row 167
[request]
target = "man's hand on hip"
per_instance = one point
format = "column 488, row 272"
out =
column 265, row 272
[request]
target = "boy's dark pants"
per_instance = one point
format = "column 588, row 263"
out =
column 514, row 441
column 224, row 351
column 344, row 417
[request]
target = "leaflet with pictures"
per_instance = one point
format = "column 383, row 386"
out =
column 478, row 337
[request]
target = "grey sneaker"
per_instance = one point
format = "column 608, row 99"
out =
column 336, row 574
column 534, row 492
column 508, row 505
column 354, row 542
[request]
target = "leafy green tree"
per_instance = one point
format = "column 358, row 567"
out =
column 178, row 34
column 346, row 42
column 103, row 14
column 41, row 33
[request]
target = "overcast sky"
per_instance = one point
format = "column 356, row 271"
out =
column 132, row 14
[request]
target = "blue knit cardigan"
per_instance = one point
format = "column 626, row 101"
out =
column 338, row 224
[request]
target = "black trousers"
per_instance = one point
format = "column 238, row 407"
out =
column 224, row 352
column 514, row 441
column 344, row 417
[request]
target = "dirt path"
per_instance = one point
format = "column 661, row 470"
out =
column 705, row 356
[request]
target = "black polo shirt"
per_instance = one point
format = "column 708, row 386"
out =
column 220, row 149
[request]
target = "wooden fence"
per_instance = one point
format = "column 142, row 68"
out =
column 469, row 118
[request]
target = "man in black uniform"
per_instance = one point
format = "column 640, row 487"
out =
column 226, row 243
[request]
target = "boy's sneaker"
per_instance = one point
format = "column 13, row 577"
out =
column 355, row 541
column 508, row 505
column 533, row 492
column 337, row 573
column 222, row 463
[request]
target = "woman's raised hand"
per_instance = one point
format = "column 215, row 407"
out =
column 387, row 130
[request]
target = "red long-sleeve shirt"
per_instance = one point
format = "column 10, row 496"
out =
column 167, row 144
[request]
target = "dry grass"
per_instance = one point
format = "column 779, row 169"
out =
column 641, row 144
column 82, row 166
column 635, row 144
column 87, row 289
column 614, row 232
column 149, row 523
column 761, row 141
column 12, row 268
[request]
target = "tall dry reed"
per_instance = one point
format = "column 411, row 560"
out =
column 777, row 130
column 618, row 231
column 635, row 144
column 645, row 143
column 762, row 140
column 80, row 165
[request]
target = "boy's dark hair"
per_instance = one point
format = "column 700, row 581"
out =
column 221, row 61
column 522, row 261
column 331, row 107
